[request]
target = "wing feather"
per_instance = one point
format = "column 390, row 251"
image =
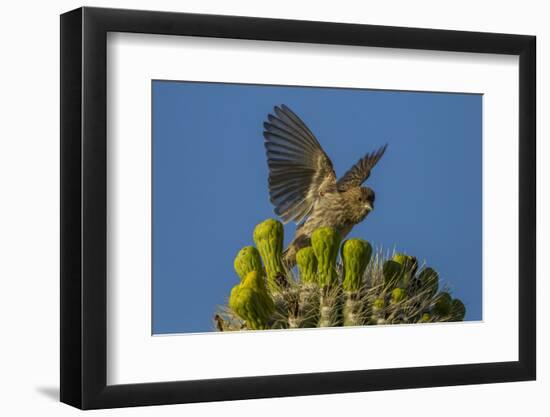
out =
column 299, row 169
column 359, row 173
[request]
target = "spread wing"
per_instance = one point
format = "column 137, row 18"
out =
column 299, row 169
column 359, row 173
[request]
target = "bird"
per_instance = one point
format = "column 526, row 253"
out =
column 302, row 182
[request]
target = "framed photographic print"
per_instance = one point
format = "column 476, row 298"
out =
column 257, row 208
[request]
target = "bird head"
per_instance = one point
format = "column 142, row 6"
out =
column 360, row 202
column 366, row 198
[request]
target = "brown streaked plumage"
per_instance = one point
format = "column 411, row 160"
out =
column 302, row 182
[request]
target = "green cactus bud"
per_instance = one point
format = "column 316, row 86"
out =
column 409, row 266
column 356, row 254
column 325, row 242
column 429, row 279
column 458, row 310
column 442, row 306
column 426, row 318
column 398, row 295
column 251, row 301
column 392, row 273
column 247, row 260
column 268, row 237
column 307, row 264
column 406, row 261
column 378, row 305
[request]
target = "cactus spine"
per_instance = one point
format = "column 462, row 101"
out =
column 268, row 237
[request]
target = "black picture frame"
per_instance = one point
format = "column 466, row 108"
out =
column 84, row 197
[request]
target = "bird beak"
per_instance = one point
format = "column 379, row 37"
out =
column 368, row 206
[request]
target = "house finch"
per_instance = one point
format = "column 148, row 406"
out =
column 303, row 185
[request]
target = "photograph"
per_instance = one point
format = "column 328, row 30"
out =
column 282, row 207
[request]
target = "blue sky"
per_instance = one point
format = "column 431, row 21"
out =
column 210, row 183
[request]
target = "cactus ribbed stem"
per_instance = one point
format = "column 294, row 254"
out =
column 308, row 303
column 330, row 305
column 303, row 312
column 354, row 310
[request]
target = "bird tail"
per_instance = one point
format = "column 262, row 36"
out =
column 289, row 256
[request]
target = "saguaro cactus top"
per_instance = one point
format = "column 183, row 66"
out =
column 325, row 295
